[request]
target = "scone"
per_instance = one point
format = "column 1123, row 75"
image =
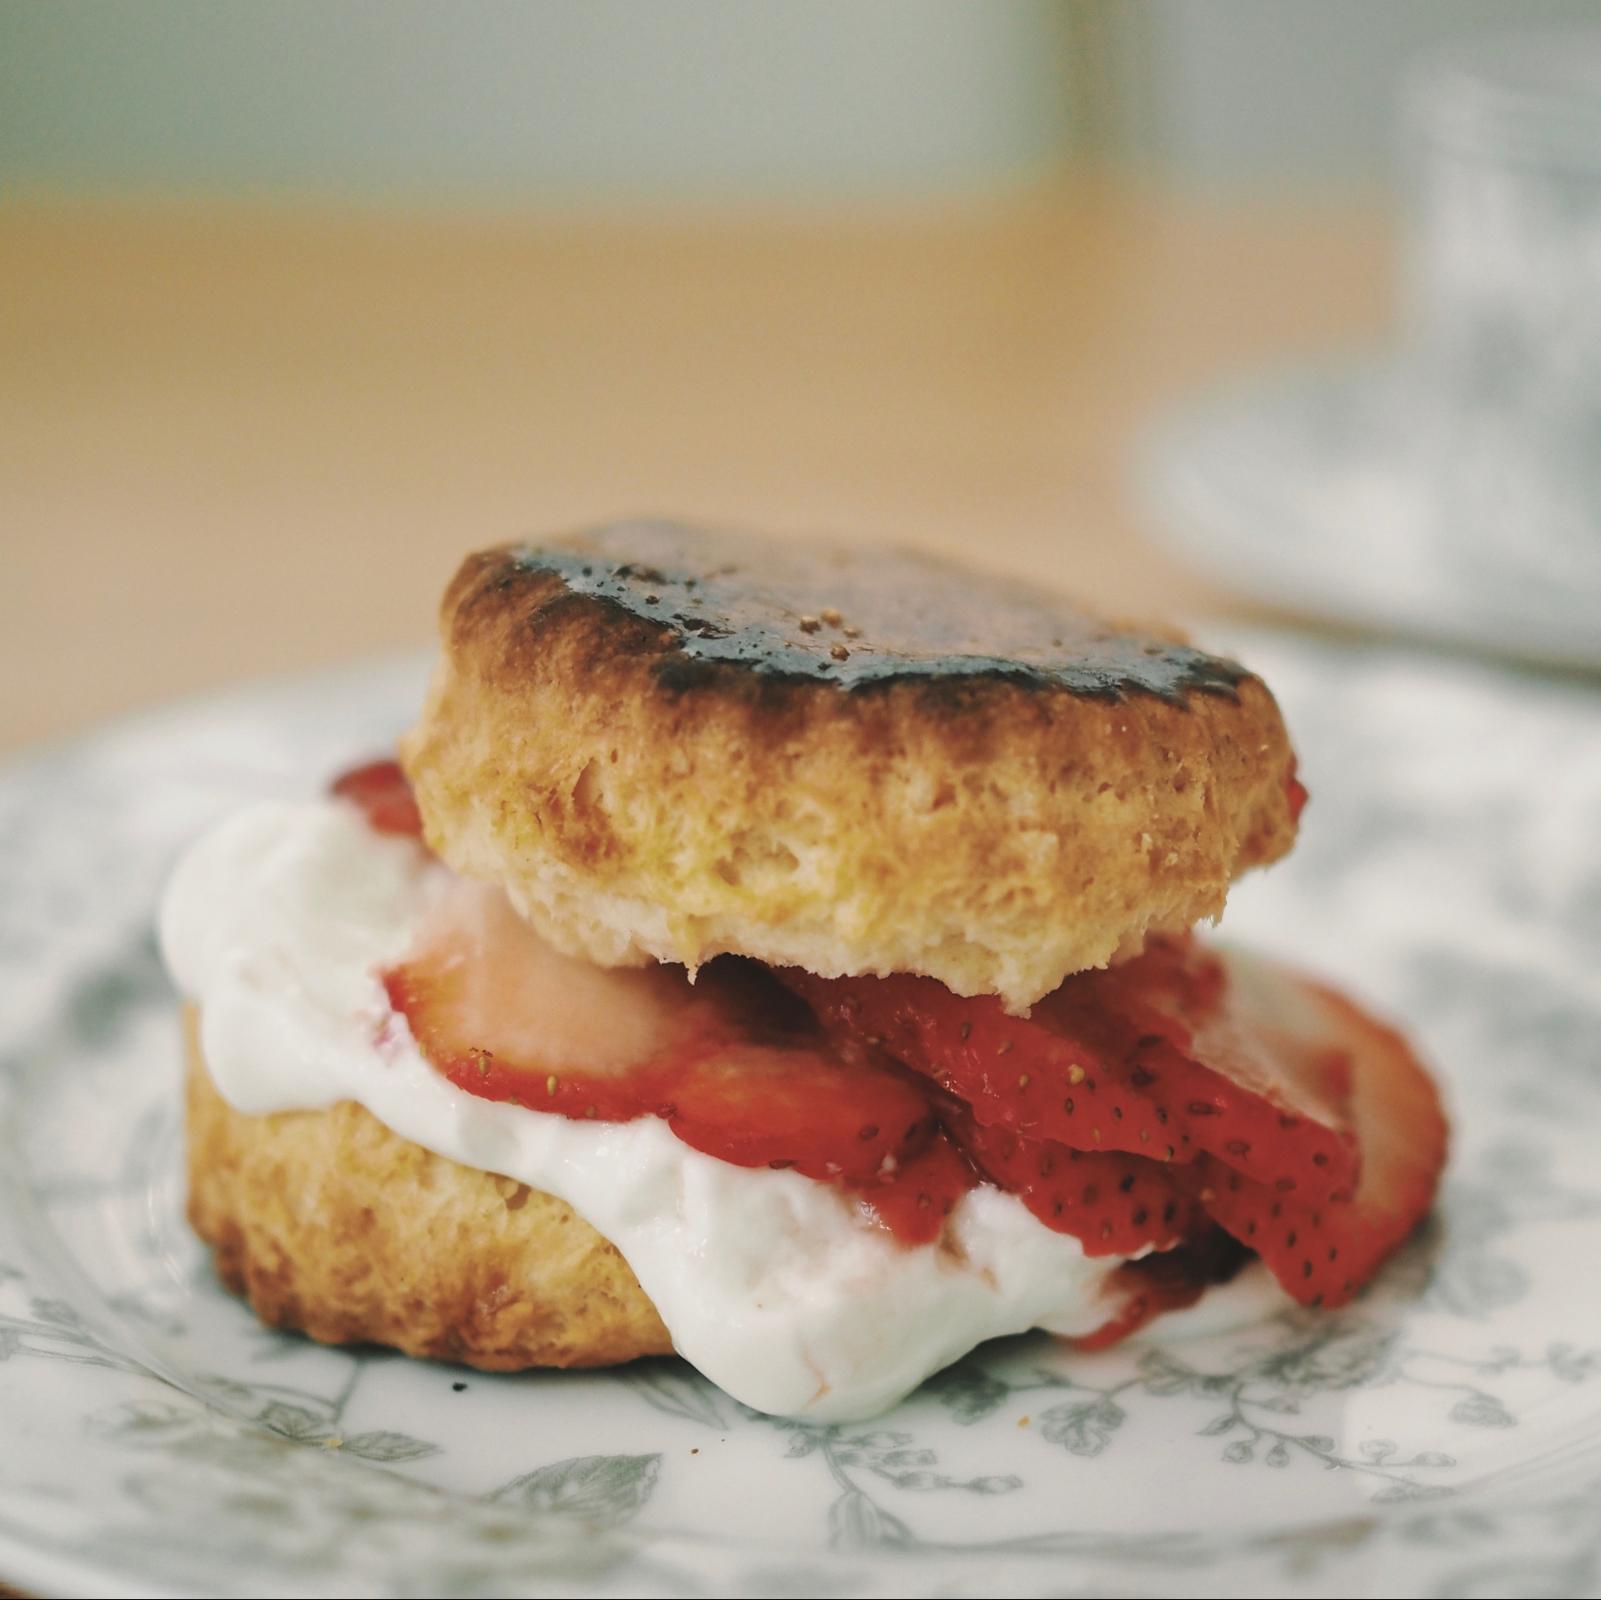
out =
column 783, row 957
column 330, row 1223
column 666, row 747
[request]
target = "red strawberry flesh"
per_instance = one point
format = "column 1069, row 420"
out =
column 923, row 1191
column 1147, row 1058
column 1324, row 1252
column 383, row 792
column 1142, row 1290
column 1012, row 1072
column 1209, row 1049
column 1114, row 1204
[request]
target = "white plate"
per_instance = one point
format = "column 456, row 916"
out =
column 1443, row 1436
column 1337, row 490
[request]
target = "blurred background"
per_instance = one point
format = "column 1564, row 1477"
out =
column 300, row 301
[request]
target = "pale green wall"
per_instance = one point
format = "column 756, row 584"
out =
column 548, row 98
column 615, row 99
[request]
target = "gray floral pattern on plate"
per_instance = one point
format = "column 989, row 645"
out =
column 1441, row 1436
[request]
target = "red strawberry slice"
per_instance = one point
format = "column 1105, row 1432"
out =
column 1115, row 1204
column 1295, row 792
column 799, row 1106
column 1322, row 1252
column 1012, row 1071
column 1207, row 1044
column 1144, row 1289
column 383, row 791
column 507, row 1017
column 735, row 1067
column 1152, row 1058
column 914, row 1201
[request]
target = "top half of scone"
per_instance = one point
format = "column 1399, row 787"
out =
column 670, row 744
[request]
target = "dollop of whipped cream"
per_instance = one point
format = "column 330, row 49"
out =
column 776, row 1287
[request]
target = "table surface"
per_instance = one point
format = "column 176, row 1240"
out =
column 237, row 440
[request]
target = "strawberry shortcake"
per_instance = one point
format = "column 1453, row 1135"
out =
column 784, row 957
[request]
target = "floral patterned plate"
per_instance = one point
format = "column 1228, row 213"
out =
column 1442, row 1436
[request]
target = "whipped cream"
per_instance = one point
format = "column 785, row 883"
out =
column 776, row 1287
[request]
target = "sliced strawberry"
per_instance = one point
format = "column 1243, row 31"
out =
column 733, row 1065
column 383, row 791
column 799, row 1106
column 507, row 1017
column 1012, row 1071
column 1206, row 1043
column 914, row 1201
column 1323, row 1252
column 1144, row 1289
column 433, row 1003
column 1295, row 792
column 1156, row 1057
column 1115, row 1204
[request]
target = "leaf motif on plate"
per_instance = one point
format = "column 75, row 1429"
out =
column 294, row 1422
column 676, row 1389
column 1570, row 1365
column 968, row 1392
column 1342, row 1354
column 387, row 1446
column 872, row 1447
column 1083, row 1427
column 1164, row 1374
column 1480, row 1410
column 858, row 1523
column 603, row 1490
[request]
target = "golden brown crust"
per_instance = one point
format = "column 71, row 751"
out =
column 331, row 1224
column 665, row 745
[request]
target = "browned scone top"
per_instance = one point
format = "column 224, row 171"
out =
column 669, row 743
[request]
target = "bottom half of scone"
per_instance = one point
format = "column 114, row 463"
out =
column 330, row 1224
